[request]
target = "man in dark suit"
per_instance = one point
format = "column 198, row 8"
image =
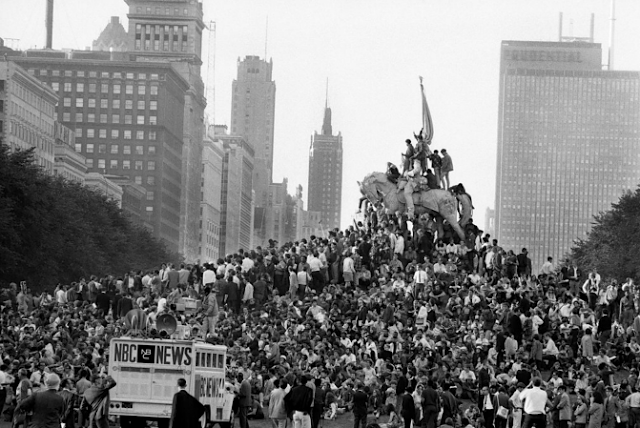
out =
column 430, row 405
column 299, row 402
column 186, row 410
column 408, row 408
column 244, row 400
column 47, row 406
column 360, row 406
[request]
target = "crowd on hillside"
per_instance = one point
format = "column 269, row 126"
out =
column 434, row 332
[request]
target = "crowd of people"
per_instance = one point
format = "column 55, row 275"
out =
column 381, row 321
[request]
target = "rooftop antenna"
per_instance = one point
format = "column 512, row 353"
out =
column 612, row 28
column 326, row 99
column 266, row 38
column 49, row 24
column 593, row 26
column 560, row 28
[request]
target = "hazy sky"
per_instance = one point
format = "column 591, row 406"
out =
column 372, row 51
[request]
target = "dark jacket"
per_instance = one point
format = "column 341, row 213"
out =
column 186, row 411
column 408, row 407
column 300, row 399
column 47, row 407
column 360, row 402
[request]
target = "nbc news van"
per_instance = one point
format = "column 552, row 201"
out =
column 147, row 373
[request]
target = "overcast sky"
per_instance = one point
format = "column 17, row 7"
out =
column 372, row 52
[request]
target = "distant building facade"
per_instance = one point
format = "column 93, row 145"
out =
column 68, row 163
column 128, row 121
column 170, row 31
column 305, row 223
column 27, row 113
column 210, row 207
column 237, row 196
column 568, row 144
column 325, row 174
column 252, row 117
column 114, row 38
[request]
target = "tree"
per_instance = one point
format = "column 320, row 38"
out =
column 613, row 245
column 54, row 230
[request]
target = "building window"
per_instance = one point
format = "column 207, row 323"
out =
column 151, row 165
column 127, row 134
column 126, row 149
column 141, row 105
column 153, row 120
column 55, row 86
column 140, row 120
column 104, row 74
column 66, row 116
column 128, row 119
column 78, row 147
column 102, row 133
column 55, row 72
column 79, row 102
column 113, row 164
column 104, row 88
column 66, row 102
column 89, row 163
column 79, row 117
column 126, row 164
column 116, row 89
column 153, row 105
column 103, row 118
column 104, row 103
column 91, row 117
column 89, row 148
column 114, row 149
column 151, row 150
column 129, row 89
column 93, row 74
column 102, row 148
column 78, row 132
column 139, row 150
column 137, row 179
column 129, row 75
column 154, row 90
column 115, row 118
column 115, row 133
column 115, row 104
column 92, row 88
column 91, row 133
column 150, row 195
column 102, row 163
column 67, row 87
column 151, row 180
column 91, row 103
column 142, row 89
column 152, row 135
column 128, row 104
column 138, row 165
column 79, row 87
column 149, row 210
column 139, row 135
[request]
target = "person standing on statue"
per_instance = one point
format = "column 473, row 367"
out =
column 420, row 154
column 407, row 157
column 446, row 168
column 436, row 164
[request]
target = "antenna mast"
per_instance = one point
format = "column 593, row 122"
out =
column 612, row 33
column 266, row 38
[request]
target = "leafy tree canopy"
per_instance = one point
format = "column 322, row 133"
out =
column 54, row 230
column 613, row 245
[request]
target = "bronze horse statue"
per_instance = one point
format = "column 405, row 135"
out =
column 440, row 203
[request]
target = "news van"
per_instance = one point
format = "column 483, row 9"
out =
column 147, row 372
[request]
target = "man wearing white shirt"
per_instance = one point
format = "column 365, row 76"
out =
column 547, row 267
column 399, row 247
column 516, row 406
column 247, row 264
column 535, row 403
column 420, row 278
column 208, row 276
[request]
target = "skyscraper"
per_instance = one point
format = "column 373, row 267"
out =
column 568, row 143
column 252, row 117
column 325, row 174
column 171, row 31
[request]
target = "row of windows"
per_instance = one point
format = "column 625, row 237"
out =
column 126, row 164
column 116, row 89
column 114, row 149
column 115, row 118
column 115, row 134
column 115, row 103
column 102, row 74
column 44, row 123
column 34, row 99
column 167, row 11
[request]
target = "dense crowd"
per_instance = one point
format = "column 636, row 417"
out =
column 433, row 332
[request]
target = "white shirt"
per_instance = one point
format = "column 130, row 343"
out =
column 420, row 277
column 348, row 265
column 208, row 276
column 516, row 400
column 535, row 400
column 247, row 264
column 399, row 247
column 61, row 296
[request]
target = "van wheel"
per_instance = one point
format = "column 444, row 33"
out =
column 205, row 420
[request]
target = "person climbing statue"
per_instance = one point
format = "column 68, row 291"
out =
column 420, row 153
column 407, row 157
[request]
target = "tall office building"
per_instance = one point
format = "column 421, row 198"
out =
column 128, row 120
column 252, row 117
column 27, row 113
column 237, row 196
column 210, row 206
column 171, row 31
column 325, row 174
column 568, row 144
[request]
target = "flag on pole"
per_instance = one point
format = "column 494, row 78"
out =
column 427, row 123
